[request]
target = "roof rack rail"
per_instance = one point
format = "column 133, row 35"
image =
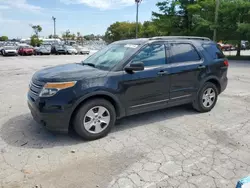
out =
column 180, row 37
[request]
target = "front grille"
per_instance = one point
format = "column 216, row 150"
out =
column 36, row 87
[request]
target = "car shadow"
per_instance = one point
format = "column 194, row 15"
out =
column 23, row 131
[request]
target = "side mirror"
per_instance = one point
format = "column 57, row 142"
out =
column 135, row 66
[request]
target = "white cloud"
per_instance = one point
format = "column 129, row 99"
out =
column 19, row 4
column 102, row 4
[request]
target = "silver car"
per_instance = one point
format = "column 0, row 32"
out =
column 42, row 50
column 9, row 50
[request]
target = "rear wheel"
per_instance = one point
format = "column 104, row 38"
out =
column 94, row 119
column 206, row 98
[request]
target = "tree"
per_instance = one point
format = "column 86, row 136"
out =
column 66, row 35
column 37, row 29
column 35, row 41
column 53, row 36
column 90, row 37
column 121, row 30
column 73, row 36
column 4, row 38
column 234, row 21
column 148, row 29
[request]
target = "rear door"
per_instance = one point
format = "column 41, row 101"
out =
column 186, row 65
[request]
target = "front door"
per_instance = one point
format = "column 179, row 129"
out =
column 186, row 65
column 148, row 89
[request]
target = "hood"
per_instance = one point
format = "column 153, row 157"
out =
column 44, row 50
column 28, row 49
column 68, row 72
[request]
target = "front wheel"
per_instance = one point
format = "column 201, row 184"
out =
column 206, row 98
column 94, row 119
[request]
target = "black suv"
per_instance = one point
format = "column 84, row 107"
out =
column 125, row 78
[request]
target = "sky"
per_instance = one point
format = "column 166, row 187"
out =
column 85, row 16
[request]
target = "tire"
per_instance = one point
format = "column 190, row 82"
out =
column 82, row 115
column 200, row 100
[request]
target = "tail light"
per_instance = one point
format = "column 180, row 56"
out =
column 226, row 63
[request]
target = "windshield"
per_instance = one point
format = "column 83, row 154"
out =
column 10, row 48
column 110, row 56
column 47, row 47
column 59, row 47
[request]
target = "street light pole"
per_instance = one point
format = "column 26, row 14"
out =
column 217, row 5
column 54, row 20
column 137, row 16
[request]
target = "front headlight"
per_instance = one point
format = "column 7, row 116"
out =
column 51, row 89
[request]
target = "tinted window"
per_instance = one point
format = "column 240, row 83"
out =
column 183, row 53
column 152, row 55
column 213, row 50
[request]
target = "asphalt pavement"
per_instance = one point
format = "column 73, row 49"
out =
column 175, row 147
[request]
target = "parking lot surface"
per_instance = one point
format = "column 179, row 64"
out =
column 175, row 147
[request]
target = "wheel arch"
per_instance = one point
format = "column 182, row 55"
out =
column 213, row 80
column 120, row 111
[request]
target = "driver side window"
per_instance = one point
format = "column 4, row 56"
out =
column 152, row 55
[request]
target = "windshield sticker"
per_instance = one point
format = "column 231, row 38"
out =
column 131, row 46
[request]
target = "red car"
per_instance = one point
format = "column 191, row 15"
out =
column 26, row 50
column 225, row 47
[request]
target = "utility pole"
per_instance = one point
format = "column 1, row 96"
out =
column 217, row 6
column 137, row 16
column 54, row 20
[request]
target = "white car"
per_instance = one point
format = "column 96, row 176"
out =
column 81, row 50
column 70, row 50
column 9, row 50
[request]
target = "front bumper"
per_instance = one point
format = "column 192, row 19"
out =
column 53, row 119
column 28, row 52
column 10, row 53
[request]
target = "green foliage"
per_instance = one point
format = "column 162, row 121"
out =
column 90, row 37
column 121, row 30
column 35, row 41
column 191, row 17
column 148, row 29
column 4, row 38
column 37, row 29
column 52, row 36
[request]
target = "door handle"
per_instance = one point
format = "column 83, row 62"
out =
column 201, row 67
column 161, row 73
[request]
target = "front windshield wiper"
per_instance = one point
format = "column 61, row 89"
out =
column 89, row 64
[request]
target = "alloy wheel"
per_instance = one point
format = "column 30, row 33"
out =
column 96, row 119
column 208, row 97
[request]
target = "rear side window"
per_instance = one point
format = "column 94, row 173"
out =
column 214, row 51
column 183, row 52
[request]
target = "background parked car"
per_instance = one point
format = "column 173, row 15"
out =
column 58, row 49
column 9, row 50
column 70, row 50
column 225, row 47
column 81, row 50
column 43, row 50
column 26, row 50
